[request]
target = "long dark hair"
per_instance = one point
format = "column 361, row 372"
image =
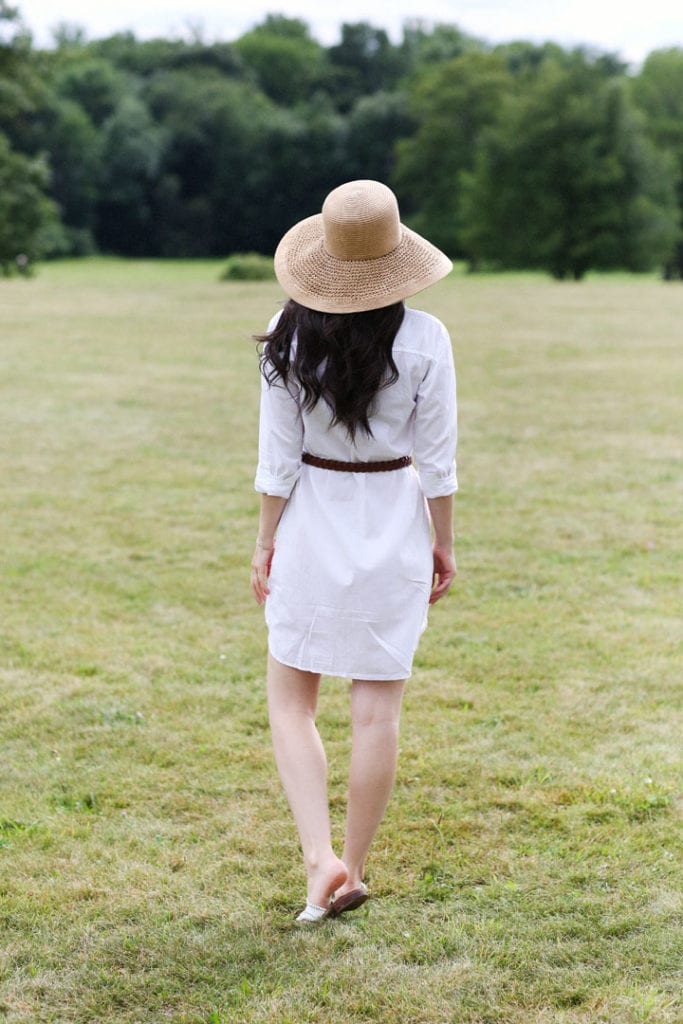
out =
column 343, row 358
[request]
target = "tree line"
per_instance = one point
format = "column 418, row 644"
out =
column 510, row 156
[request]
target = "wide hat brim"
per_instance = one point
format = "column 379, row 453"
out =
column 312, row 277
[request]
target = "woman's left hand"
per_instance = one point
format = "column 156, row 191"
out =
column 260, row 570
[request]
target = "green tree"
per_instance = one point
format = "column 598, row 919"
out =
column 566, row 180
column 300, row 157
column 658, row 91
column 83, row 92
column 27, row 217
column 237, row 170
column 74, row 148
column 91, row 82
column 131, row 160
column 372, row 129
column 215, row 142
column 145, row 58
column 525, row 59
column 452, row 104
column 424, row 45
column 29, row 225
column 363, row 62
column 286, row 61
column 21, row 87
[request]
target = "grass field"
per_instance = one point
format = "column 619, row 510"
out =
column 530, row 868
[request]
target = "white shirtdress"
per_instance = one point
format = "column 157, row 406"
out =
column 352, row 569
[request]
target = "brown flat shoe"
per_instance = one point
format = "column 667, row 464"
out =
column 349, row 901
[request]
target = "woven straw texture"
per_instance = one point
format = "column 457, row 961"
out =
column 356, row 255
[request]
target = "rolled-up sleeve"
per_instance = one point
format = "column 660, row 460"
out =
column 436, row 430
column 280, row 440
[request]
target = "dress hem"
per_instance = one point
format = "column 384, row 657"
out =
column 370, row 677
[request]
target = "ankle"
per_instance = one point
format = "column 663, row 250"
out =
column 356, row 873
column 324, row 879
column 316, row 860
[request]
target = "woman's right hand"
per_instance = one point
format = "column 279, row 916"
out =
column 260, row 570
column 444, row 572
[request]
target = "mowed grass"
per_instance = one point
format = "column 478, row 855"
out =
column 530, row 867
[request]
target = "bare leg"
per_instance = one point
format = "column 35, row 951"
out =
column 375, row 713
column 301, row 762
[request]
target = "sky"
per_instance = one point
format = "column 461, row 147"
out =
column 630, row 29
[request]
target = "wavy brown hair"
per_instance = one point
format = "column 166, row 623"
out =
column 343, row 358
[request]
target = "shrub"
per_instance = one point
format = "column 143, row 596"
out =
column 248, row 266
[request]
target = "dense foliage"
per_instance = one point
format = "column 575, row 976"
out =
column 509, row 156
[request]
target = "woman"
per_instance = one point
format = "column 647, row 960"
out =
column 353, row 385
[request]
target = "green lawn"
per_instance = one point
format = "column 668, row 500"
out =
column 530, row 868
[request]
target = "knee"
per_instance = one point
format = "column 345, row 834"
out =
column 376, row 716
column 376, row 705
column 287, row 719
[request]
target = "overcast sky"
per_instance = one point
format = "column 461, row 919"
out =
column 630, row 29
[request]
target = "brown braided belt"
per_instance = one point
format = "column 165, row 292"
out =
column 356, row 467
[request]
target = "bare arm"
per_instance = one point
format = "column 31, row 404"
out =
column 441, row 512
column 272, row 508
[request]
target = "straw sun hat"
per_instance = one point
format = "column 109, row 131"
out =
column 356, row 255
